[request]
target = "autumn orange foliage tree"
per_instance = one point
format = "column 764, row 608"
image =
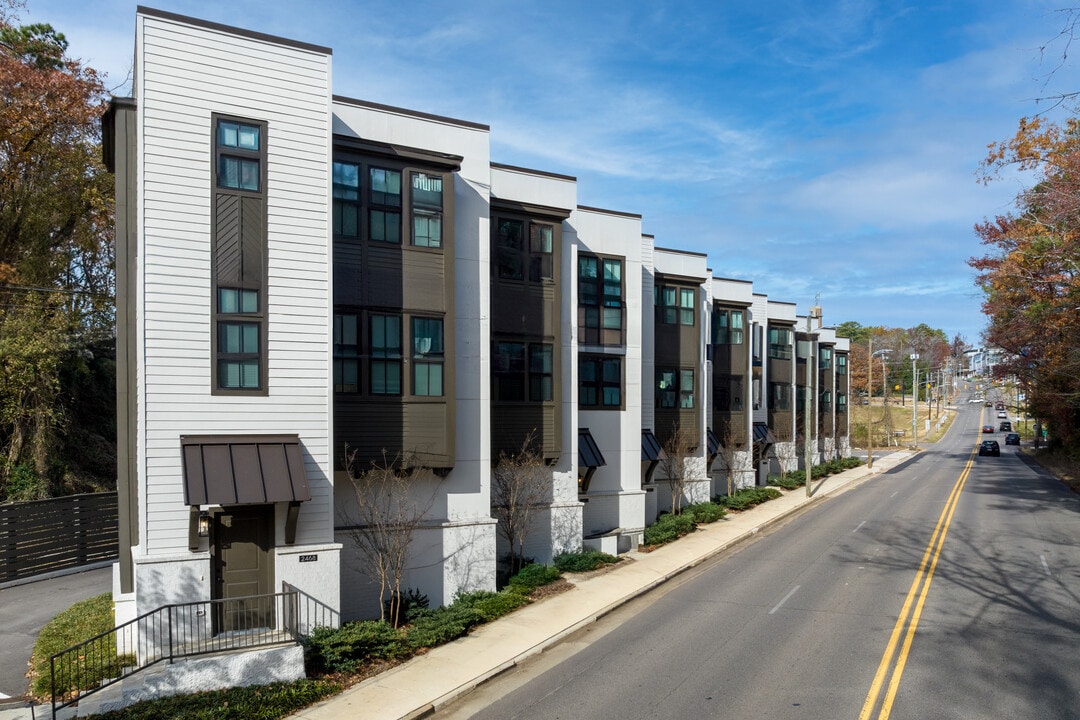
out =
column 56, row 257
column 1030, row 273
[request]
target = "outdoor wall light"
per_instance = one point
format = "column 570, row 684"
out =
column 204, row 524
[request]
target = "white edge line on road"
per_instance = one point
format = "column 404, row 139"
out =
column 786, row 597
column 894, row 494
column 3, row 696
column 1045, row 566
column 859, row 526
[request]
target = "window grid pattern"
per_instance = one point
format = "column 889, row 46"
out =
column 599, row 381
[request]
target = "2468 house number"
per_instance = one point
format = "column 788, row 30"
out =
column 309, row 558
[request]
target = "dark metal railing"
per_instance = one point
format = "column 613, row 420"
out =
column 310, row 612
column 177, row 631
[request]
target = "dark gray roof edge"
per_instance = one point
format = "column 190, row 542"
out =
column 176, row 17
column 412, row 113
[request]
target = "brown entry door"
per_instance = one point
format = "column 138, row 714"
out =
column 243, row 568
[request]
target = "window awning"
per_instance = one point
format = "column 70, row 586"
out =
column 243, row 469
column 713, row 441
column 763, row 435
column 589, row 455
column 650, row 447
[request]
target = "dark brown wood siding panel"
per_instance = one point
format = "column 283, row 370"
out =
column 426, row 288
column 421, row 431
column 511, row 424
column 668, row 419
column 347, row 264
column 47, row 535
column 779, row 370
column 383, row 276
column 780, row 424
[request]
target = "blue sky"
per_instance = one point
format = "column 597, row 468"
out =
column 817, row 148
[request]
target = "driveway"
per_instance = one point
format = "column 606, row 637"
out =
column 25, row 609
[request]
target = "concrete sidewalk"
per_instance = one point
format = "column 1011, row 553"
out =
column 434, row 679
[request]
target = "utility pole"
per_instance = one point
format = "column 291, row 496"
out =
column 914, row 401
column 870, row 403
column 815, row 312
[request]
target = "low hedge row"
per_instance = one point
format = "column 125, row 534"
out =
column 670, row 527
column 747, row 497
column 583, row 561
column 797, row 478
column 347, row 648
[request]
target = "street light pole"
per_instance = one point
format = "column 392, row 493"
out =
column 869, row 403
column 914, row 401
column 809, row 457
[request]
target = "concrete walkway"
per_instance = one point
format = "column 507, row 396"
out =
column 432, row 680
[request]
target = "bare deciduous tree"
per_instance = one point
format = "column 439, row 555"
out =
column 676, row 461
column 392, row 499
column 520, row 483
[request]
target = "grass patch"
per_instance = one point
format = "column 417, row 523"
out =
column 77, row 624
column 259, row 702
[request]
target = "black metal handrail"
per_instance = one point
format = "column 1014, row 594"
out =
column 176, row 631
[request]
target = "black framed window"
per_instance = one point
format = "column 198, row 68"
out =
column 841, row 402
column 779, row 396
column 508, row 371
column 384, row 213
column 541, row 251
column 428, row 356
column 346, row 207
column 727, row 327
column 600, row 381
column 347, row 353
column 825, row 358
column 509, row 245
column 239, row 155
column 825, row 401
column 427, row 209
column 729, row 393
column 600, row 297
column 675, row 388
column 523, row 371
column 841, row 364
column 385, row 344
column 238, row 355
column 780, row 343
column 687, row 306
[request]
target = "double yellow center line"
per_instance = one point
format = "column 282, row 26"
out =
column 893, row 662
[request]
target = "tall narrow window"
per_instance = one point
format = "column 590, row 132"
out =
column 541, row 374
column 385, row 355
column 347, row 199
column 509, row 244
column 720, row 331
column 427, row 209
column 841, row 364
column 825, row 358
column 540, row 251
column 666, row 389
column 384, row 215
column 841, row 402
column 239, row 256
column 666, row 297
column 428, row 356
column 686, row 389
column 780, row 343
column 600, row 300
column 736, row 327
column 346, row 354
column 613, row 294
column 239, row 155
column 687, row 306
column 508, row 371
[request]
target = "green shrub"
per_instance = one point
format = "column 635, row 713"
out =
column 706, row 512
column 790, row 481
column 583, row 560
column 535, row 575
column 77, row 624
column 668, row 528
column 345, row 648
column 257, row 702
column 24, row 484
column 432, row 628
column 748, row 497
column 490, row 605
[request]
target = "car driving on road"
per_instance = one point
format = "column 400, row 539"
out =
column 1012, row 439
column 990, row 447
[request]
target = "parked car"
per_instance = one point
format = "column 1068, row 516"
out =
column 990, row 447
column 988, row 428
column 1005, row 426
column 1012, row 439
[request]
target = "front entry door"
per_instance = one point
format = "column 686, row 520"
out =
column 243, row 567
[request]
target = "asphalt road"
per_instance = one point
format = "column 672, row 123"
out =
column 800, row 623
column 25, row 609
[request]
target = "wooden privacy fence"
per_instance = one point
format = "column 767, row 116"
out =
column 45, row 535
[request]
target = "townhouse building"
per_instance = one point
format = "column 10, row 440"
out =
column 310, row 286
